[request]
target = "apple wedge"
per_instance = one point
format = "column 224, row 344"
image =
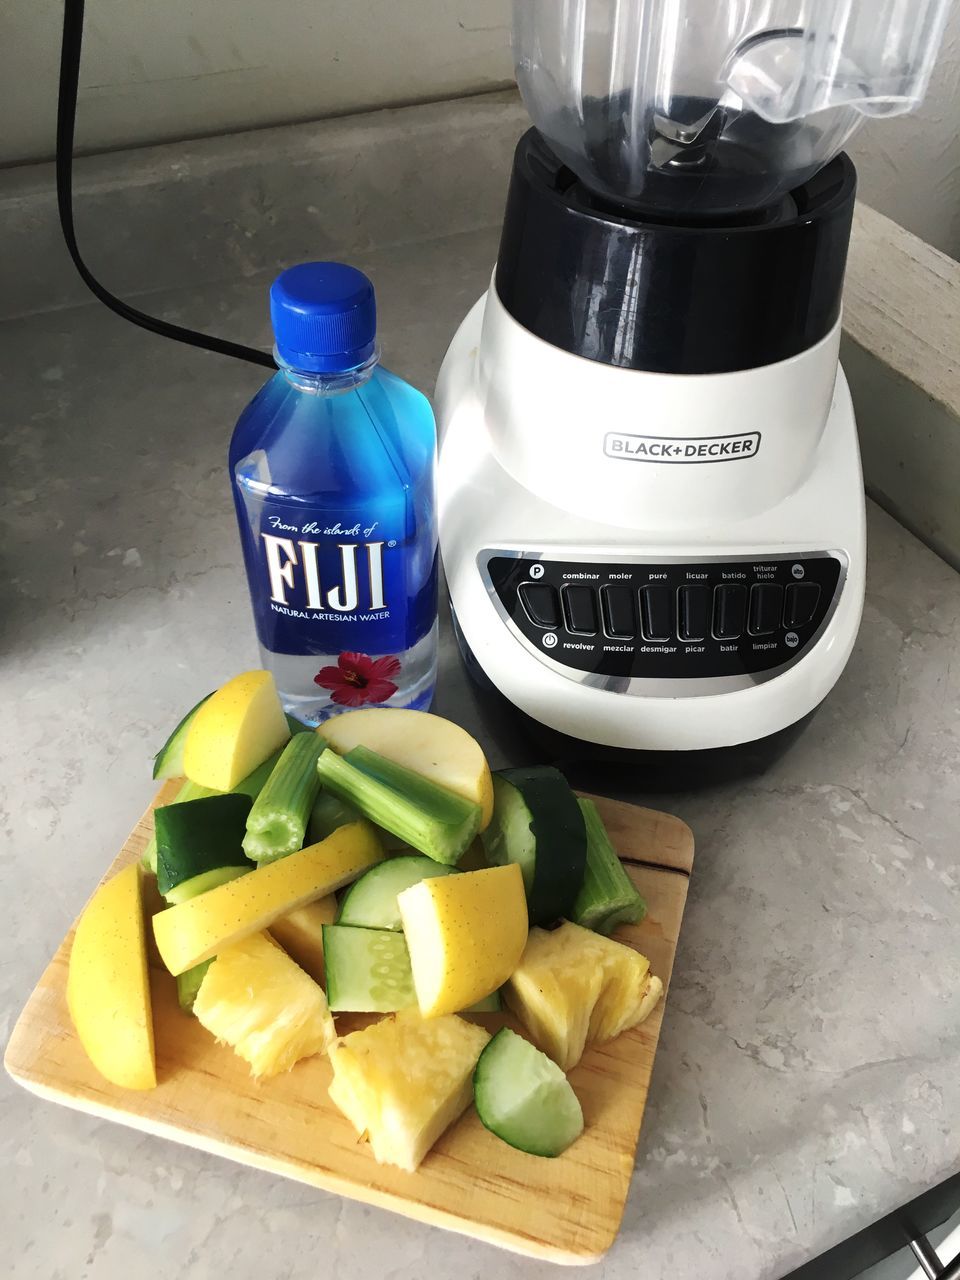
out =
column 108, row 987
column 234, row 731
column 465, row 934
column 429, row 745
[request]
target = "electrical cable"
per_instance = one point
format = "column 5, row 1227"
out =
column 70, row 51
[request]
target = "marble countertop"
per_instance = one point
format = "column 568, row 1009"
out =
column 808, row 1079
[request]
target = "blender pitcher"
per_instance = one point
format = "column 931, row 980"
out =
column 704, row 109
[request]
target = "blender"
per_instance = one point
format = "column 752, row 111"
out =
column 650, row 495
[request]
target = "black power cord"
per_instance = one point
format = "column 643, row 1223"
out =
column 70, row 51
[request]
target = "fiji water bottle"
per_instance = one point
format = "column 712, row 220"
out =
column 332, row 465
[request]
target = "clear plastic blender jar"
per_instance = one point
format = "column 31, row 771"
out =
column 697, row 109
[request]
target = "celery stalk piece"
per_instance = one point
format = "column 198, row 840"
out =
column 278, row 820
column 250, row 786
column 608, row 896
column 430, row 818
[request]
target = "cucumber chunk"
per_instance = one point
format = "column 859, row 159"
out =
column 199, row 835
column 524, row 1098
column 371, row 901
column 538, row 824
column 368, row 970
column 168, row 762
column 250, row 786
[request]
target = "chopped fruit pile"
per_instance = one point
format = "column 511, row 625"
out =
column 382, row 806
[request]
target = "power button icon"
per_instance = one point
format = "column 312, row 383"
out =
column 549, row 641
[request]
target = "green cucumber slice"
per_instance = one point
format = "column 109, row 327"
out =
column 538, row 824
column 250, row 786
column 524, row 1098
column 199, row 835
column 367, row 970
column 168, row 762
column 211, row 879
column 371, row 901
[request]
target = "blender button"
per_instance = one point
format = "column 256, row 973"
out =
column 619, row 617
column 766, row 605
column 580, row 610
column 800, row 603
column 693, row 605
column 540, row 604
column 729, row 611
column 656, row 613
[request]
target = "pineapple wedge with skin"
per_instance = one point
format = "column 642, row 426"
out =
column 403, row 1081
column 257, row 1000
column 574, row 987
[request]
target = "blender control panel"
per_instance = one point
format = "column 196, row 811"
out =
column 672, row 620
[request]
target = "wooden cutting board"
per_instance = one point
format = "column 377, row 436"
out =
column 566, row 1210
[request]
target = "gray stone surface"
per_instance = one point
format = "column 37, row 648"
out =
column 807, row 1080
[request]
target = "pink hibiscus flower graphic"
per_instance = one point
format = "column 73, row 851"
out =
column 358, row 679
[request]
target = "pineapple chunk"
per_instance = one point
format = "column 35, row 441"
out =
column 300, row 933
column 574, row 987
column 255, row 999
column 403, row 1081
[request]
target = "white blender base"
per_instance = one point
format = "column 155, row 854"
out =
column 483, row 510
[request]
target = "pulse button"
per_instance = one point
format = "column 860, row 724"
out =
column 766, row 605
column 541, row 604
column 580, row 610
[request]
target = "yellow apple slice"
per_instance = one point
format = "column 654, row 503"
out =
column 108, row 986
column 199, row 928
column 436, row 748
column 300, row 933
column 234, row 731
column 465, row 934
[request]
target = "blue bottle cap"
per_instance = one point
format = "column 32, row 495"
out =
column 324, row 317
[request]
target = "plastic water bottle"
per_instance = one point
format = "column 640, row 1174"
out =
column 333, row 465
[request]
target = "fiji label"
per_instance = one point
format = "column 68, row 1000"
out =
column 631, row 448
column 322, row 585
